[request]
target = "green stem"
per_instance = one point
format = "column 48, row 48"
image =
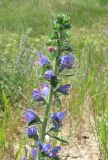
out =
column 44, row 125
column 58, row 53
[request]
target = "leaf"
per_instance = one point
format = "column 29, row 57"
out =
column 59, row 139
column 57, row 158
column 57, row 97
column 53, row 129
column 69, row 75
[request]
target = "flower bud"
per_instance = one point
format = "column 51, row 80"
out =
column 51, row 49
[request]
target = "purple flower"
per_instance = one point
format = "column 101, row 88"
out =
column 57, row 119
column 30, row 116
column 39, row 144
column 45, row 90
column 54, row 152
column 58, row 115
column 47, row 150
column 34, row 153
column 66, row 61
column 32, row 132
column 37, row 95
column 43, row 60
column 64, row 89
column 24, row 158
column 49, row 75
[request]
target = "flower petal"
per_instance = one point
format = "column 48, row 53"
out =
column 67, row 61
column 49, row 74
column 45, row 90
column 24, row 158
column 34, row 153
column 32, row 131
column 30, row 115
column 37, row 95
column 43, row 59
column 54, row 152
column 64, row 89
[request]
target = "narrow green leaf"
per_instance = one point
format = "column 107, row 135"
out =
column 59, row 139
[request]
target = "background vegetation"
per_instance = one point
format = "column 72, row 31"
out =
column 24, row 27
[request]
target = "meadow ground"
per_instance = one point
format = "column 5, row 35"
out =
column 88, row 104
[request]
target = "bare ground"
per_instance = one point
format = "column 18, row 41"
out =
column 81, row 135
column 83, row 145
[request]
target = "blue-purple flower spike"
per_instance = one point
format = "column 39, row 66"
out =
column 32, row 132
column 64, row 89
column 43, row 59
column 49, row 93
column 30, row 116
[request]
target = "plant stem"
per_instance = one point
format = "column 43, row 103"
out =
column 44, row 125
column 58, row 52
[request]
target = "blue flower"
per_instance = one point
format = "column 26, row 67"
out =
column 45, row 90
column 24, row 158
column 54, row 152
column 34, row 152
column 32, row 132
column 30, row 116
column 47, row 150
column 64, row 89
column 43, row 60
column 49, row 75
column 57, row 119
column 39, row 144
column 39, row 95
column 67, row 61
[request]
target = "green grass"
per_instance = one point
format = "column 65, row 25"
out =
column 90, row 40
column 17, row 16
column 91, row 79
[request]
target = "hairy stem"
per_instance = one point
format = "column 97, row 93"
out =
column 58, row 52
column 44, row 125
